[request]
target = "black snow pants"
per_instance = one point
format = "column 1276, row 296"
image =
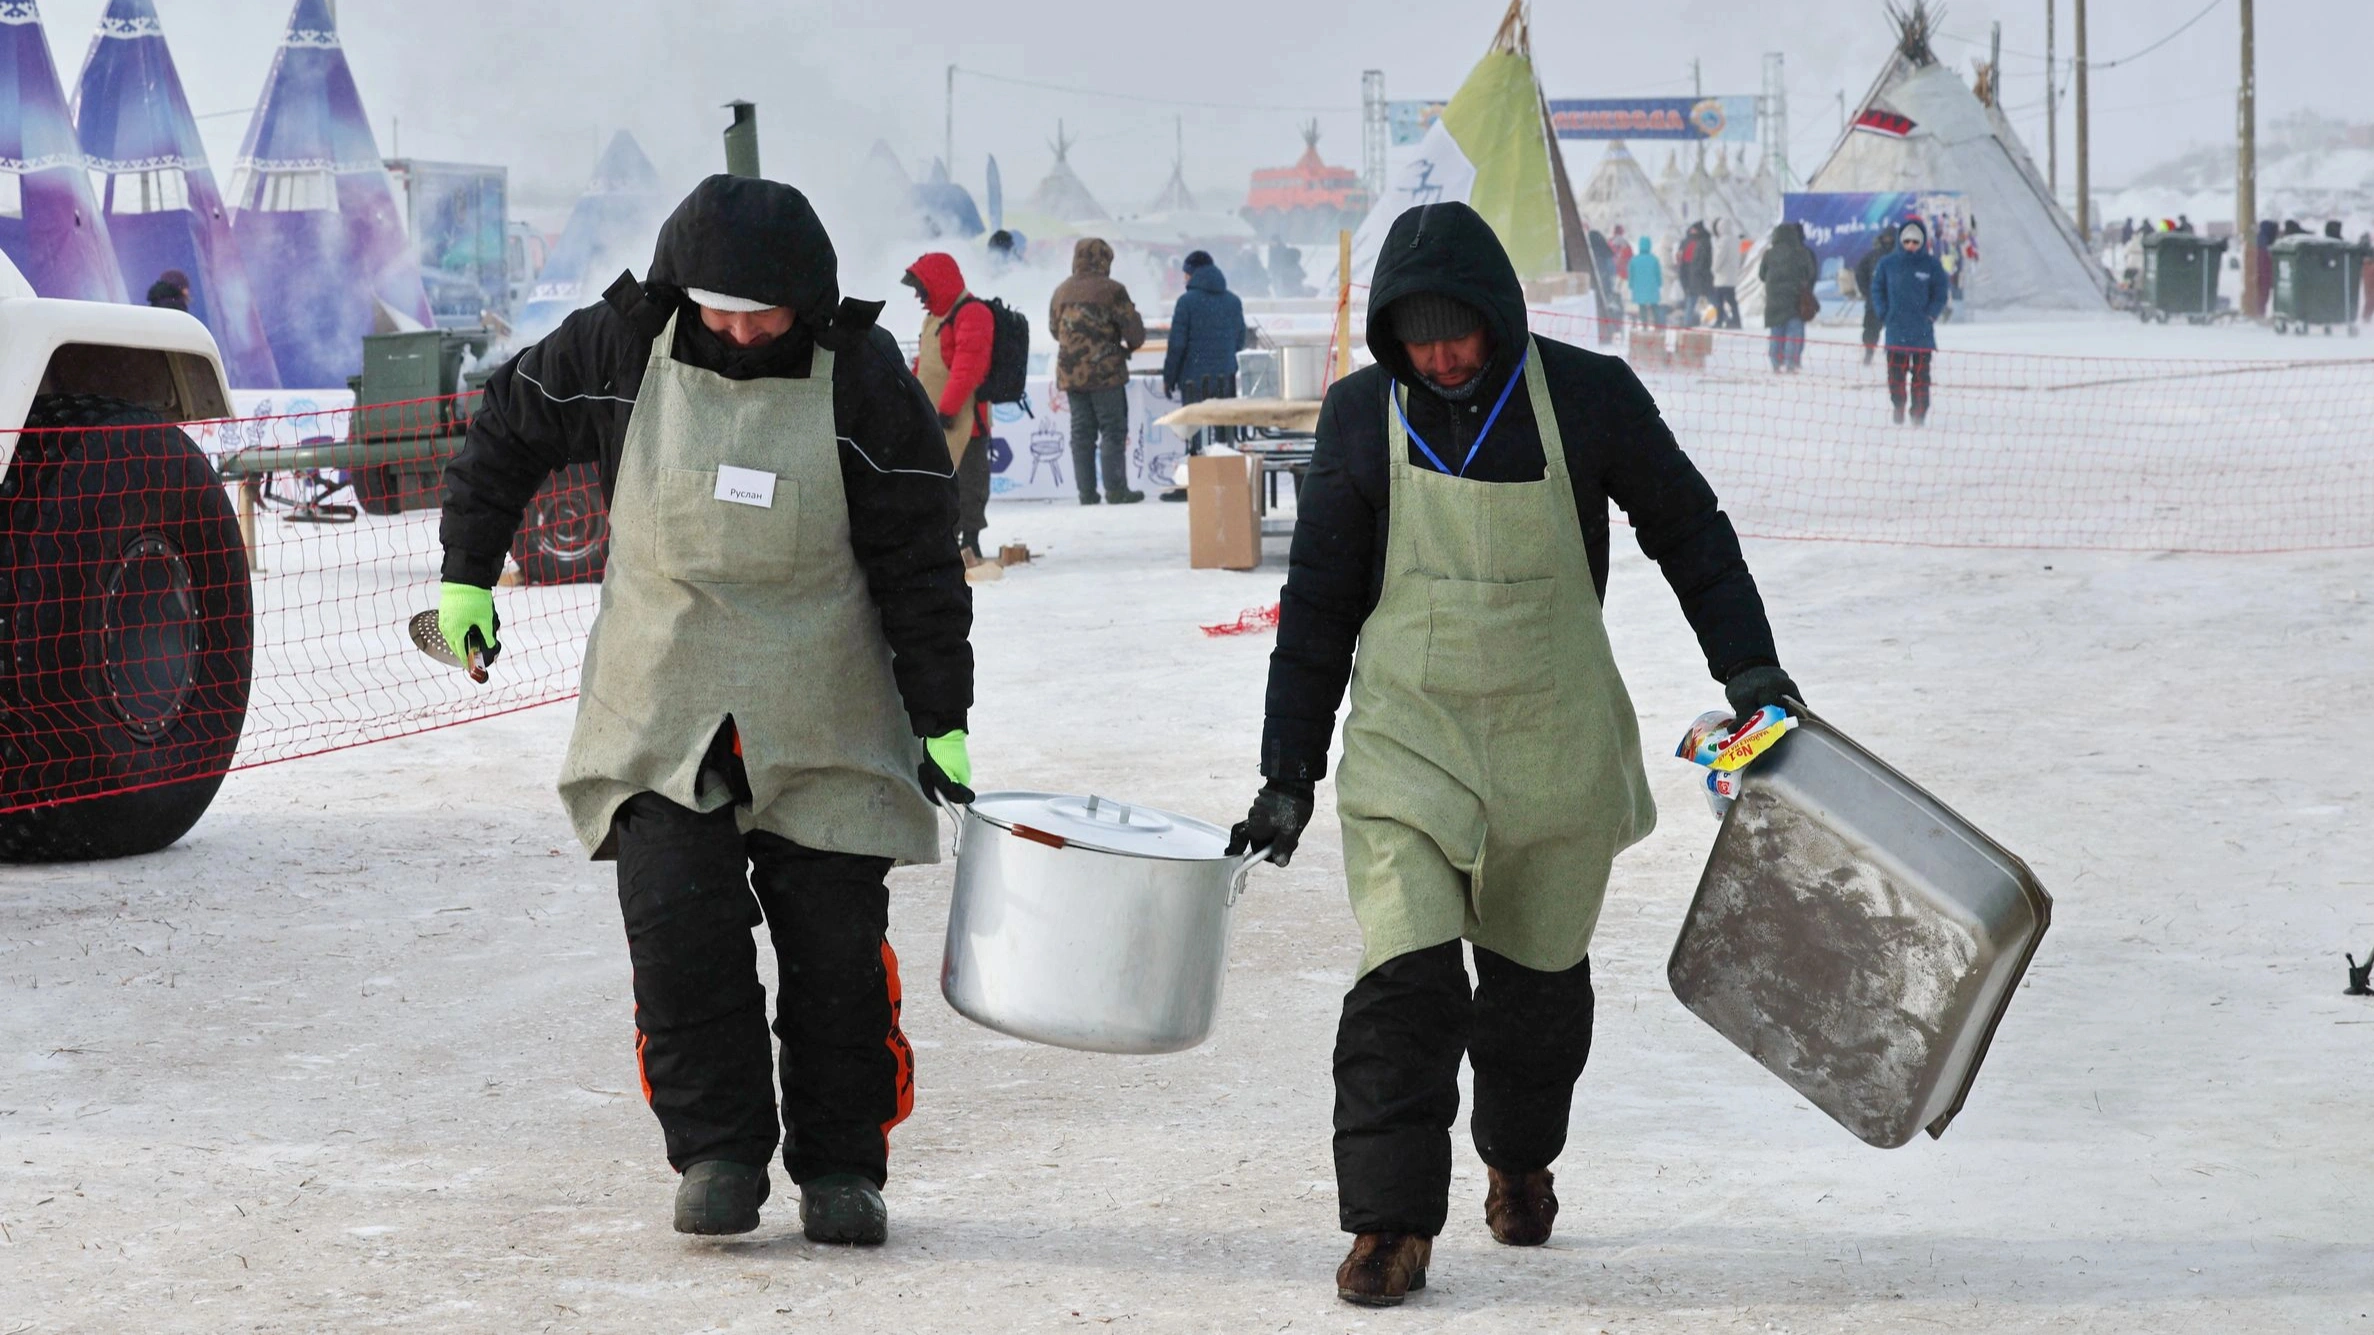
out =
column 972, row 494
column 692, row 887
column 1405, row 1025
column 1910, row 364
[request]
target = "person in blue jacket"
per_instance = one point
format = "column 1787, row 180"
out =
column 1207, row 330
column 1909, row 291
column 1648, row 285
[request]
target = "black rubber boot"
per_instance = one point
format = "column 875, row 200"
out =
column 720, row 1197
column 1124, row 497
column 845, row 1208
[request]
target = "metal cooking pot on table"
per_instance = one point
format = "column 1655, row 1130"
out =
column 1091, row 924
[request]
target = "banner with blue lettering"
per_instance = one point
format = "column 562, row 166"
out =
column 1840, row 226
column 1696, row 119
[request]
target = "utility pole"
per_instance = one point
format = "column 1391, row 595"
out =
column 1375, row 132
column 2085, row 180
column 1698, row 94
column 2246, row 161
column 948, row 143
column 1775, row 115
column 2052, row 100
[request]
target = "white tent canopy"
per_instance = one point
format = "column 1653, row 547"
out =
column 1620, row 194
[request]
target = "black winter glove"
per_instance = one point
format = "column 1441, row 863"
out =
column 939, row 787
column 1753, row 688
column 1279, row 812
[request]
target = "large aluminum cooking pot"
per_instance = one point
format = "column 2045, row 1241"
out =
column 1302, row 371
column 1088, row 923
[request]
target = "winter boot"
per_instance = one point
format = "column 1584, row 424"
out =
column 1519, row 1207
column 843, row 1207
column 1899, row 414
column 1125, row 497
column 1090, row 498
column 720, row 1197
column 1175, row 494
column 1383, row 1269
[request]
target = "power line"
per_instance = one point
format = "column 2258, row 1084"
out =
column 2188, row 23
column 1149, row 101
column 2098, row 64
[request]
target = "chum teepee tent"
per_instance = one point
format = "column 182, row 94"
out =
column 50, row 223
column 1494, row 150
column 1620, row 194
column 316, row 215
column 1062, row 196
column 1922, row 129
column 613, row 227
column 164, row 212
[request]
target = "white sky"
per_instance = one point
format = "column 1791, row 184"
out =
column 538, row 85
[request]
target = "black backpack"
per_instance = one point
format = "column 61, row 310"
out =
column 1009, row 354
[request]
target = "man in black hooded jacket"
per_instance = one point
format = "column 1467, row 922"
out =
column 1459, row 379
column 778, row 680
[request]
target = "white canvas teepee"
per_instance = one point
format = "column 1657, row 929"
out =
column 1062, row 195
column 1620, row 194
column 1922, row 129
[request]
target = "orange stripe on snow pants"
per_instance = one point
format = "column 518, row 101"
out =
column 901, row 1051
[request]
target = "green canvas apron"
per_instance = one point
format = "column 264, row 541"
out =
column 1491, row 768
column 714, row 608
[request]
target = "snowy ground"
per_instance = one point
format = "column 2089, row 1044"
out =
column 357, row 1054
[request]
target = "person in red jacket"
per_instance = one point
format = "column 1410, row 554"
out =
column 952, row 359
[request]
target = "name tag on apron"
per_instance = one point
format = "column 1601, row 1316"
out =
column 745, row 486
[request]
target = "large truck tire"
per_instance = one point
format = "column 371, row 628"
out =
column 128, row 630
column 565, row 536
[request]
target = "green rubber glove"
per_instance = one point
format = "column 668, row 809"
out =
column 462, row 608
column 948, row 752
column 946, row 772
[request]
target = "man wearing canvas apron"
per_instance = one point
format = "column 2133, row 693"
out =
column 1449, row 561
column 778, row 676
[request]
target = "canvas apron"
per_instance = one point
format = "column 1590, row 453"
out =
column 933, row 372
column 713, row 608
column 1491, row 768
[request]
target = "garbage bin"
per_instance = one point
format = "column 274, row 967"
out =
column 2180, row 271
column 2316, row 284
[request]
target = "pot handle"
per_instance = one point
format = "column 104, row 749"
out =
column 955, row 815
column 1239, row 874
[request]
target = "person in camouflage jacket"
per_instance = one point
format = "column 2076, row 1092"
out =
column 1096, row 327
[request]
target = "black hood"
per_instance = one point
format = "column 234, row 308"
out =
column 1450, row 249
column 761, row 241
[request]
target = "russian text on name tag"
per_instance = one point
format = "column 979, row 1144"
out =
column 745, row 486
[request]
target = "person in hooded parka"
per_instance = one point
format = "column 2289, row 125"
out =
column 773, row 693
column 1448, row 565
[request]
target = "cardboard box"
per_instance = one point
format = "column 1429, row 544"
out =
column 1692, row 347
column 1223, row 512
column 1647, row 348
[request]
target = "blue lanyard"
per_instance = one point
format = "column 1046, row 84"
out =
column 1489, row 423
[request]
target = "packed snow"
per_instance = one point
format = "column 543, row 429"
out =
column 358, row 1053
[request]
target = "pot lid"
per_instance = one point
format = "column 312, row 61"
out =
column 1102, row 824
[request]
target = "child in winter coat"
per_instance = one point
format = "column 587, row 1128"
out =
column 1648, row 284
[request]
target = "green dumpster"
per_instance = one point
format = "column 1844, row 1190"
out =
column 2317, row 284
column 2180, row 271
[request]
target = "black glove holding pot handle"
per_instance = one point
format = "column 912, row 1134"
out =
column 1750, row 689
column 1280, row 811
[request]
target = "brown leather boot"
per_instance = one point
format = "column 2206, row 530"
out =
column 1520, row 1206
column 1383, row 1268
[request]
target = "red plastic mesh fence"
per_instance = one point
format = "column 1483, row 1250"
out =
column 163, row 623
column 2103, row 453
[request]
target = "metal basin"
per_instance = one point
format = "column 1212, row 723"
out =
column 1856, row 936
column 1090, row 924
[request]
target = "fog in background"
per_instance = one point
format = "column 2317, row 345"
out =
column 539, row 86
